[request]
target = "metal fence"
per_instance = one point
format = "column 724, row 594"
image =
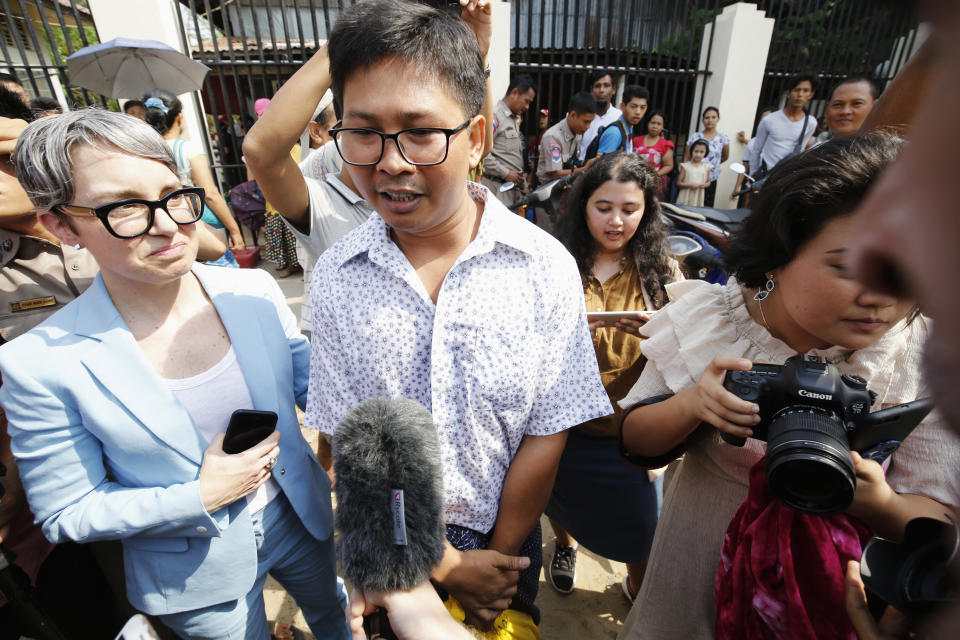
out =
column 253, row 46
column 655, row 43
column 833, row 39
column 37, row 37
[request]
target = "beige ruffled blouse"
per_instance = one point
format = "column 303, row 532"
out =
column 702, row 322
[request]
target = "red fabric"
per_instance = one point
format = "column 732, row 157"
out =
column 781, row 572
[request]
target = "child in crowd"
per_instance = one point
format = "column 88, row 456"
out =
column 694, row 176
column 612, row 227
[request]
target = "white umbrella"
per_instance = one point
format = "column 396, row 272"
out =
column 126, row 68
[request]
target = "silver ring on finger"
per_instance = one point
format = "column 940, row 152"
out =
column 271, row 463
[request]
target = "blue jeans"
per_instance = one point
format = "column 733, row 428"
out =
column 305, row 566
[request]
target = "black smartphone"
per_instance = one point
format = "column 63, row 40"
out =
column 883, row 431
column 248, row 427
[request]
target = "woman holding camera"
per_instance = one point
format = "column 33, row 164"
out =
column 792, row 293
column 117, row 404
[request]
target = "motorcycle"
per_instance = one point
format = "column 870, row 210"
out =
column 546, row 197
column 712, row 228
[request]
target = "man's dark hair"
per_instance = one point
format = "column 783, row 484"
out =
column 632, row 91
column 583, row 102
column 801, row 196
column 708, row 110
column 648, row 248
column 435, row 42
column 41, row 104
column 131, row 104
column 522, row 82
column 600, row 73
column 800, row 77
column 9, row 77
column 12, row 105
column 874, row 88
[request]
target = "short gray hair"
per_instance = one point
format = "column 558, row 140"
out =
column 42, row 158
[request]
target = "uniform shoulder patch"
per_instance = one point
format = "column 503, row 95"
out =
column 555, row 152
column 496, row 123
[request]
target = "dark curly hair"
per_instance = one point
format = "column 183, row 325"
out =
column 648, row 247
column 801, row 196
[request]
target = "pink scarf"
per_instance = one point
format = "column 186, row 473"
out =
column 781, row 572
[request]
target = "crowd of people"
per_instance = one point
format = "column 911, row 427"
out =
column 570, row 370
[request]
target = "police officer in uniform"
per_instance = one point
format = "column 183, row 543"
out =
column 505, row 162
column 560, row 146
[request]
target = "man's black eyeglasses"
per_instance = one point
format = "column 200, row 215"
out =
column 420, row 146
column 134, row 217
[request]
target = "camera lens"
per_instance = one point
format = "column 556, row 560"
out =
column 808, row 461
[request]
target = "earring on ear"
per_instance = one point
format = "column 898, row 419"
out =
column 767, row 289
column 77, row 246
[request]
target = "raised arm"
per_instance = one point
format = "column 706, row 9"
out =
column 202, row 177
column 478, row 15
column 266, row 148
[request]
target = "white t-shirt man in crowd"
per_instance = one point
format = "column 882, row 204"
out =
column 780, row 132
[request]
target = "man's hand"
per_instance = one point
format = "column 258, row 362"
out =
column 516, row 177
column 478, row 15
column 10, row 129
column 483, row 582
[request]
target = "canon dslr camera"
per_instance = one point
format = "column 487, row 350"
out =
column 811, row 417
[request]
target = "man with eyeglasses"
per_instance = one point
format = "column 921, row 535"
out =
column 445, row 297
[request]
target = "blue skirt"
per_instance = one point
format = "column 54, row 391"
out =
column 607, row 505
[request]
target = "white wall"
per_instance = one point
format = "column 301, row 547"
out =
column 152, row 20
column 499, row 55
column 738, row 59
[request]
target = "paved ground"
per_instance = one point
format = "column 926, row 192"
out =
column 595, row 610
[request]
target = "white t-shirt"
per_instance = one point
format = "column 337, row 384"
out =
column 777, row 137
column 335, row 211
column 211, row 397
column 600, row 121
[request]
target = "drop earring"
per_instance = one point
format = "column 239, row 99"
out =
column 77, row 246
column 765, row 291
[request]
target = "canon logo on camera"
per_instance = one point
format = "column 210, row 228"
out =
column 815, row 396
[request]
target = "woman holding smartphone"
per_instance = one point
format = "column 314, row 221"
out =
column 612, row 227
column 122, row 438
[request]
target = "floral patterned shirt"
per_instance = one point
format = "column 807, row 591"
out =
column 505, row 352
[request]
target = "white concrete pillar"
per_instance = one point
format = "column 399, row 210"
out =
column 150, row 20
column 738, row 59
column 499, row 55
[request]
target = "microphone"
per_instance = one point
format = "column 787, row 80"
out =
column 389, row 488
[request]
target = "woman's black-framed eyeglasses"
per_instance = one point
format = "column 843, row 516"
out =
column 134, row 217
column 419, row 146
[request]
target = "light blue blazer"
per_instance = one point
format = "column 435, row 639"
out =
column 106, row 451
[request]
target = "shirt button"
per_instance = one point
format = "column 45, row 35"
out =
column 75, row 267
column 201, row 529
column 282, row 471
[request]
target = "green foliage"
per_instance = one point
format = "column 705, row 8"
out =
column 56, row 40
column 686, row 43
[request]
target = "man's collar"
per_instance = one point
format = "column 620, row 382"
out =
column 348, row 193
column 497, row 225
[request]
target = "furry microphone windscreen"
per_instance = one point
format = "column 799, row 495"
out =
column 389, row 494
